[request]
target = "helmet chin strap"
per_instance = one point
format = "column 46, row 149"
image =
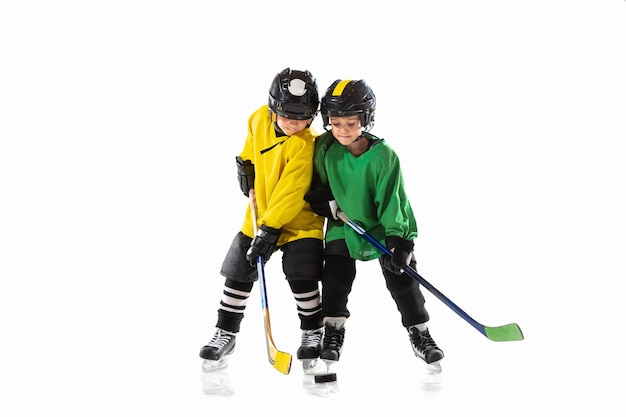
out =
column 278, row 130
column 358, row 138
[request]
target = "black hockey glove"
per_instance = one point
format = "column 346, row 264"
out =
column 263, row 244
column 323, row 203
column 245, row 174
column 402, row 251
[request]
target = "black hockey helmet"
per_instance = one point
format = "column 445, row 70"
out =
column 293, row 94
column 349, row 98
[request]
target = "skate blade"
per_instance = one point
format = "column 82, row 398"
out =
column 212, row 366
column 434, row 368
column 329, row 364
column 309, row 366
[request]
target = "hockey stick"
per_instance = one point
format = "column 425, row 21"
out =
column 506, row 333
column 280, row 360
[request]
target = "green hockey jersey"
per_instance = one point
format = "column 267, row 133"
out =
column 369, row 189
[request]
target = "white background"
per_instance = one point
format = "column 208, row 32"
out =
column 119, row 123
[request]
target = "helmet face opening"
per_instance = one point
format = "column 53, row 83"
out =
column 293, row 94
column 349, row 98
column 292, row 111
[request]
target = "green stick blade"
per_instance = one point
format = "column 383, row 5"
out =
column 507, row 333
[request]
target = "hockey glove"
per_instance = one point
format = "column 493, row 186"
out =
column 245, row 174
column 263, row 244
column 323, row 203
column 402, row 252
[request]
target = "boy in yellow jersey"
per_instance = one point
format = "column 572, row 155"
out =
column 277, row 161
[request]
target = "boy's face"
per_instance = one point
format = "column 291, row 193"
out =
column 346, row 129
column 291, row 126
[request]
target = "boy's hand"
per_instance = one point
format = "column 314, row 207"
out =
column 402, row 253
column 245, row 174
column 263, row 244
column 323, row 203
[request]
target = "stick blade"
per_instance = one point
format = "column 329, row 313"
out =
column 282, row 362
column 507, row 333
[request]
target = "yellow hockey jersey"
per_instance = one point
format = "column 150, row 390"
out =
column 283, row 168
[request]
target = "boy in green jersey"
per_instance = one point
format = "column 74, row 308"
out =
column 360, row 174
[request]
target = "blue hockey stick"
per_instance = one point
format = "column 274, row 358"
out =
column 505, row 333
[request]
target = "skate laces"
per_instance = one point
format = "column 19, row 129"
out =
column 311, row 338
column 220, row 339
column 333, row 338
column 422, row 340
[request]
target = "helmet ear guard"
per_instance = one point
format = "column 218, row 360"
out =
column 293, row 94
column 349, row 98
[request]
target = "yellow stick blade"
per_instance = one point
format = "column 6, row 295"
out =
column 282, row 362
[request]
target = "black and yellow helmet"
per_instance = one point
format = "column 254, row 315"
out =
column 293, row 94
column 349, row 98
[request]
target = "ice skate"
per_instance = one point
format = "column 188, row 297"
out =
column 218, row 350
column 309, row 350
column 425, row 348
column 332, row 344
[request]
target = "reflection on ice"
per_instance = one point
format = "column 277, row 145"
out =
column 433, row 379
column 217, row 383
column 323, row 389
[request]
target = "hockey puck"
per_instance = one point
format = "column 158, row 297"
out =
column 325, row 378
